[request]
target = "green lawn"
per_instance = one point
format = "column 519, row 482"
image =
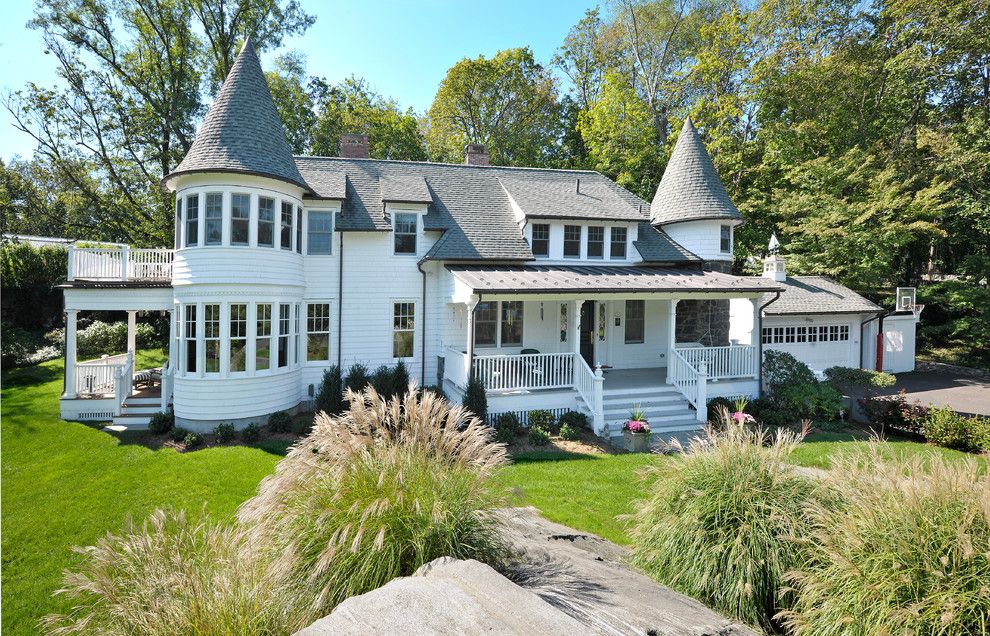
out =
column 65, row 484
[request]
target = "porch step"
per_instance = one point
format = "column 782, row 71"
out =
column 140, row 409
column 131, row 422
column 143, row 401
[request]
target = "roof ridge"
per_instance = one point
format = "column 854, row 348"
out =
column 453, row 165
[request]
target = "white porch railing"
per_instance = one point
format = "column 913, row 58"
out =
column 691, row 381
column 455, row 367
column 733, row 361
column 590, row 385
column 123, row 381
column 168, row 384
column 526, row 371
column 98, row 377
column 119, row 263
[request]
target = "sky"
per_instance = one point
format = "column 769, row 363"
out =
column 402, row 47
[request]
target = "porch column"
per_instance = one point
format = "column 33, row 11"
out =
column 671, row 333
column 470, row 305
column 756, row 339
column 131, row 331
column 575, row 334
column 173, row 348
column 70, row 352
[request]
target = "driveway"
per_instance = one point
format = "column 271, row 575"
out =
column 964, row 394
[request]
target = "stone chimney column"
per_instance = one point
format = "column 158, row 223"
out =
column 354, row 146
column 476, row 155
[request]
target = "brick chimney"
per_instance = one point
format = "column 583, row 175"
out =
column 354, row 146
column 476, row 155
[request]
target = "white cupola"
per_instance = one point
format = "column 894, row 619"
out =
column 773, row 264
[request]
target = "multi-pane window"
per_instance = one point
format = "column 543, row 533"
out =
column 319, row 232
column 318, row 331
column 541, row 240
column 789, row 335
column 512, row 323
column 486, row 324
column 178, row 222
column 297, row 313
column 804, row 334
column 596, row 241
column 286, row 226
column 298, row 230
column 617, row 243
column 238, row 337
column 214, row 219
column 284, row 325
column 405, row 233
column 192, row 220
column 572, row 241
column 725, row 239
column 211, row 337
column 403, row 329
column 635, row 321
column 240, row 218
column 190, row 337
column 263, row 342
column 266, row 222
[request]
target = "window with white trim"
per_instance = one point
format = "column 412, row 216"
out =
column 499, row 323
column 266, row 222
column 192, row 220
column 511, row 325
column 178, row 222
column 403, row 329
column 190, row 338
column 635, row 321
column 617, row 243
column 211, row 337
column 240, row 218
column 286, row 226
column 297, row 313
column 214, row 219
column 284, row 327
column 541, row 240
column 572, row 241
column 317, row 332
column 596, row 241
column 405, row 232
column 298, row 230
column 319, row 232
column 725, row 239
column 801, row 334
column 238, row 337
column 263, row 341
column 486, row 324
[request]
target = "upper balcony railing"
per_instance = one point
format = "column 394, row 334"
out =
column 119, row 264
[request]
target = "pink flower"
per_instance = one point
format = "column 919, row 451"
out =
column 743, row 418
column 636, row 426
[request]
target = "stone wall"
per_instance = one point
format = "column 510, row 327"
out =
column 704, row 321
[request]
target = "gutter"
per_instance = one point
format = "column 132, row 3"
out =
column 758, row 336
column 340, row 304
column 862, row 330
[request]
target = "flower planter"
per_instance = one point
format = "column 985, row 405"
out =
column 636, row 442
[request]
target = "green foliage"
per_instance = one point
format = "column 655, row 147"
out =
column 729, row 547
column 507, row 427
column 287, row 84
column 575, row 419
column 715, row 407
column 956, row 315
column 947, row 428
column 570, row 433
column 162, row 422
column 538, row 436
column 794, row 389
column 280, row 422
column 894, row 412
column 251, row 433
column 330, row 397
column 400, row 379
column 192, row 440
column 391, row 381
column 28, row 285
column 179, row 434
column 224, row 433
column 357, row 378
column 17, row 345
column 767, row 413
column 849, row 377
column 907, row 551
column 101, row 338
column 541, row 418
column 475, row 398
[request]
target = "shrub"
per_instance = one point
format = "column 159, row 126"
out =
column 538, row 436
column 541, row 419
column 848, row 377
column 907, row 552
column 357, row 378
column 434, row 389
column 895, row 412
column 251, row 433
column 16, row 345
column 330, row 397
column 728, row 546
column 280, row 422
column 174, row 576
column 768, row 413
column 793, row 387
column 376, row 493
column 506, row 427
column 107, row 338
column 570, row 433
column 302, row 425
column 575, row 419
column 382, row 381
column 781, row 369
column 161, row 422
column 400, row 379
column 192, row 440
column 475, row 399
column 980, row 434
column 715, row 407
column 947, row 428
column 179, row 434
column 224, row 433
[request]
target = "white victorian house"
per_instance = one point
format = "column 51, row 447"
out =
column 559, row 289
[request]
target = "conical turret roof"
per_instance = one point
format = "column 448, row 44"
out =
column 690, row 189
column 242, row 131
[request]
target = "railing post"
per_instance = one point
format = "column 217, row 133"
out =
column 70, row 352
column 598, row 390
column 125, row 257
column 70, row 269
column 701, row 404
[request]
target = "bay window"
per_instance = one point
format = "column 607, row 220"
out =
column 214, row 219
column 318, row 332
column 178, row 222
column 284, row 325
column 211, row 337
column 189, row 334
column 298, row 230
column 403, row 329
column 286, row 227
column 240, row 218
column 266, row 222
column 192, row 220
column 238, row 337
column 263, row 341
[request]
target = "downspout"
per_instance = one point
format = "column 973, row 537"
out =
column 470, row 343
column 758, row 336
column 862, row 331
column 340, row 304
column 422, row 355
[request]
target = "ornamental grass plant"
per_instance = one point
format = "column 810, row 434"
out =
column 906, row 552
column 721, row 521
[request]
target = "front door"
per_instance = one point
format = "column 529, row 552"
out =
column 588, row 332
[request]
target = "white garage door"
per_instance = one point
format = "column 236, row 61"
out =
column 818, row 346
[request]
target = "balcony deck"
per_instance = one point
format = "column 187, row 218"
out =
column 124, row 265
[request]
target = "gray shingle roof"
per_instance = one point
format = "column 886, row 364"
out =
column 542, row 279
column 556, row 196
column 690, row 188
column 403, row 189
column 818, row 295
column 469, row 204
column 242, row 131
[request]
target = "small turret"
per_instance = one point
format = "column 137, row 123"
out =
column 773, row 265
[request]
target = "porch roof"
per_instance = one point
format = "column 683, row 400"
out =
column 542, row 279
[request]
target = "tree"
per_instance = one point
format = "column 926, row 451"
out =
column 286, row 81
column 507, row 102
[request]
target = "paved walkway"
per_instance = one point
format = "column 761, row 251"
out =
column 942, row 388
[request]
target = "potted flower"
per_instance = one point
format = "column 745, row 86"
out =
column 636, row 431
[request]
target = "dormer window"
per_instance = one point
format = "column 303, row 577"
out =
column 725, row 239
column 541, row 240
column 617, row 243
column 572, row 241
column 405, row 233
column 596, row 241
